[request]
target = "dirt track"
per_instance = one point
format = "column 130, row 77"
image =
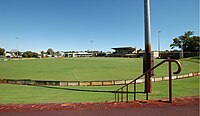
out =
column 188, row 106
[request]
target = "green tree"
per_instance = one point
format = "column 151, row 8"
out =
column 50, row 51
column 29, row 54
column 190, row 43
column 42, row 53
column 17, row 52
column 35, row 55
column 2, row 51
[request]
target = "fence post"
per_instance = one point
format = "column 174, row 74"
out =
column 135, row 90
column 127, row 93
column 170, row 82
column 115, row 97
column 122, row 94
column 118, row 96
column 147, row 96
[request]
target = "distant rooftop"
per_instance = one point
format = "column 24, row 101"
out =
column 123, row 48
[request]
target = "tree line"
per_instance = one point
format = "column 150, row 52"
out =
column 28, row 54
column 187, row 42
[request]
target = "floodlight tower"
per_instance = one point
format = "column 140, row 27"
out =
column 159, row 43
column 92, row 46
column 181, row 55
column 17, row 46
column 147, row 56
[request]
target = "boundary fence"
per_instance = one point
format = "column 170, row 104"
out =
column 91, row 83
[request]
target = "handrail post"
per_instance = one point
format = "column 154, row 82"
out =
column 134, row 90
column 115, row 97
column 122, row 94
column 120, row 90
column 118, row 96
column 127, row 93
column 170, row 82
column 147, row 96
column 148, row 85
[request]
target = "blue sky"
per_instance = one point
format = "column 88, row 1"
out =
column 66, row 25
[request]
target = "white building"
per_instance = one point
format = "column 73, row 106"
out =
column 155, row 54
column 79, row 54
column 9, row 55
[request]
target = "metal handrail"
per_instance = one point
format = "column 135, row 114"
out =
column 134, row 81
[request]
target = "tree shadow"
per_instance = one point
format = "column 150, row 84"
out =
column 84, row 90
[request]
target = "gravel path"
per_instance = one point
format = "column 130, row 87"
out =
column 187, row 106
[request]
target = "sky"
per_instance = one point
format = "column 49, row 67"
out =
column 78, row 25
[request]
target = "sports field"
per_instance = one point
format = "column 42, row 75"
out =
column 87, row 69
column 83, row 69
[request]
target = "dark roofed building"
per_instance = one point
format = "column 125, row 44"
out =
column 124, row 52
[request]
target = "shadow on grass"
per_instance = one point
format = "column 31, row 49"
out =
column 83, row 90
column 196, row 57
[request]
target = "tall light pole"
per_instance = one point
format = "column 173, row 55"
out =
column 181, row 55
column 147, row 56
column 92, row 46
column 17, row 46
column 159, row 42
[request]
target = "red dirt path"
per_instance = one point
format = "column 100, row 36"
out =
column 185, row 101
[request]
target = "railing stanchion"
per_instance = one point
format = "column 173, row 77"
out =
column 115, row 97
column 120, row 90
column 118, row 96
column 170, row 82
column 147, row 96
column 127, row 93
column 122, row 94
column 134, row 90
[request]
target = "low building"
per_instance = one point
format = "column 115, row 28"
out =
column 79, row 54
column 124, row 52
column 155, row 54
column 131, row 52
column 10, row 55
